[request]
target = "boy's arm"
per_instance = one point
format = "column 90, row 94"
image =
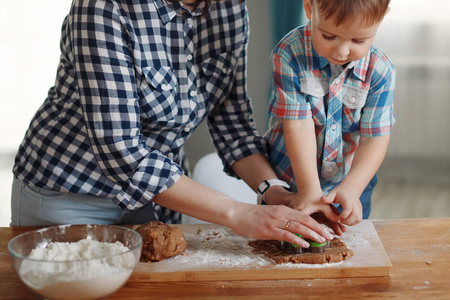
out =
column 300, row 140
column 368, row 158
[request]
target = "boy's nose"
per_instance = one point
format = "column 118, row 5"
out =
column 343, row 51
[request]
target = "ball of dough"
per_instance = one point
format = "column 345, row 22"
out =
column 160, row 241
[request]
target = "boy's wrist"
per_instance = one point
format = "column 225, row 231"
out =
column 310, row 188
column 357, row 188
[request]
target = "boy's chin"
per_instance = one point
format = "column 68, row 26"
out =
column 337, row 62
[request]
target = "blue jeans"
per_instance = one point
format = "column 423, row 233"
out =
column 33, row 206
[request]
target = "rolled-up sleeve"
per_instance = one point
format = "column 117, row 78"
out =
column 231, row 124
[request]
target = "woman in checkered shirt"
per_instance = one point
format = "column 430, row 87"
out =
column 135, row 78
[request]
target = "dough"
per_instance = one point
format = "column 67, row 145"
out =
column 160, row 241
column 272, row 249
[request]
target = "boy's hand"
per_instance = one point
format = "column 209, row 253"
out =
column 279, row 195
column 309, row 200
column 337, row 227
column 348, row 198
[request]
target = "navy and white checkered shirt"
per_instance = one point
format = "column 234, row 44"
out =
column 135, row 79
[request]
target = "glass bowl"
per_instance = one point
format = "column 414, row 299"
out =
column 84, row 270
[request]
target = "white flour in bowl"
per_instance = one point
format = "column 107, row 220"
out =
column 86, row 269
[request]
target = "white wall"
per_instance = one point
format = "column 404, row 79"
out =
column 416, row 36
column 29, row 52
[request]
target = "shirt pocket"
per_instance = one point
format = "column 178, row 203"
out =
column 316, row 87
column 354, row 100
column 158, row 96
column 219, row 71
column 315, row 91
column 161, row 79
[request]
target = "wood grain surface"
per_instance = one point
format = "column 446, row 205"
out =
column 417, row 248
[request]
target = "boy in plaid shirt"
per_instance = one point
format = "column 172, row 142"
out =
column 332, row 108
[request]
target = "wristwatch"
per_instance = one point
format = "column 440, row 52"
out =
column 267, row 184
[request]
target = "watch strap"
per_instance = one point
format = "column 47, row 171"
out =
column 262, row 188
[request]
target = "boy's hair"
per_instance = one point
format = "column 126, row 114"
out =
column 348, row 11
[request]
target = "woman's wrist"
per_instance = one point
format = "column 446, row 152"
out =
column 277, row 195
column 232, row 213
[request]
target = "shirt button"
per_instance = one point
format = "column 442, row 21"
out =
column 224, row 70
column 165, row 87
column 330, row 169
column 170, row 155
column 189, row 57
column 333, row 127
column 187, row 129
column 317, row 88
column 337, row 81
column 192, row 93
column 352, row 100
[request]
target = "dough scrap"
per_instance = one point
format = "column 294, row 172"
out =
column 336, row 253
column 160, row 241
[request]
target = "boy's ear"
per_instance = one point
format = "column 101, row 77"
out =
column 387, row 10
column 307, row 6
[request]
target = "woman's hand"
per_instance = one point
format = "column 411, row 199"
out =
column 318, row 209
column 277, row 222
column 268, row 222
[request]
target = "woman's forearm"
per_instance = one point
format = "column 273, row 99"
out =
column 189, row 197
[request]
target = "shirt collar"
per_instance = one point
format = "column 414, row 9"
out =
column 167, row 10
column 318, row 62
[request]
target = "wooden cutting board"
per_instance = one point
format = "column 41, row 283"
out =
column 216, row 253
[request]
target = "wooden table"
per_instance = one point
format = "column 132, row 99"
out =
column 419, row 250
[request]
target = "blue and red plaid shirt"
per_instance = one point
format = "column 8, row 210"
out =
column 134, row 80
column 344, row 102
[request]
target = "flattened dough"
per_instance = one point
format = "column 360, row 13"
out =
column 160, row 241
column 272, row 249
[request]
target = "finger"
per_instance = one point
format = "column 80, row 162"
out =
column 355, row 221
column 336, row 227
column 327, row 199
column 286, row 235
column 335, row 210
column 346, row 212
column 330, row 214
column 343, row 227
column 289, row 237
column 311, row 229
